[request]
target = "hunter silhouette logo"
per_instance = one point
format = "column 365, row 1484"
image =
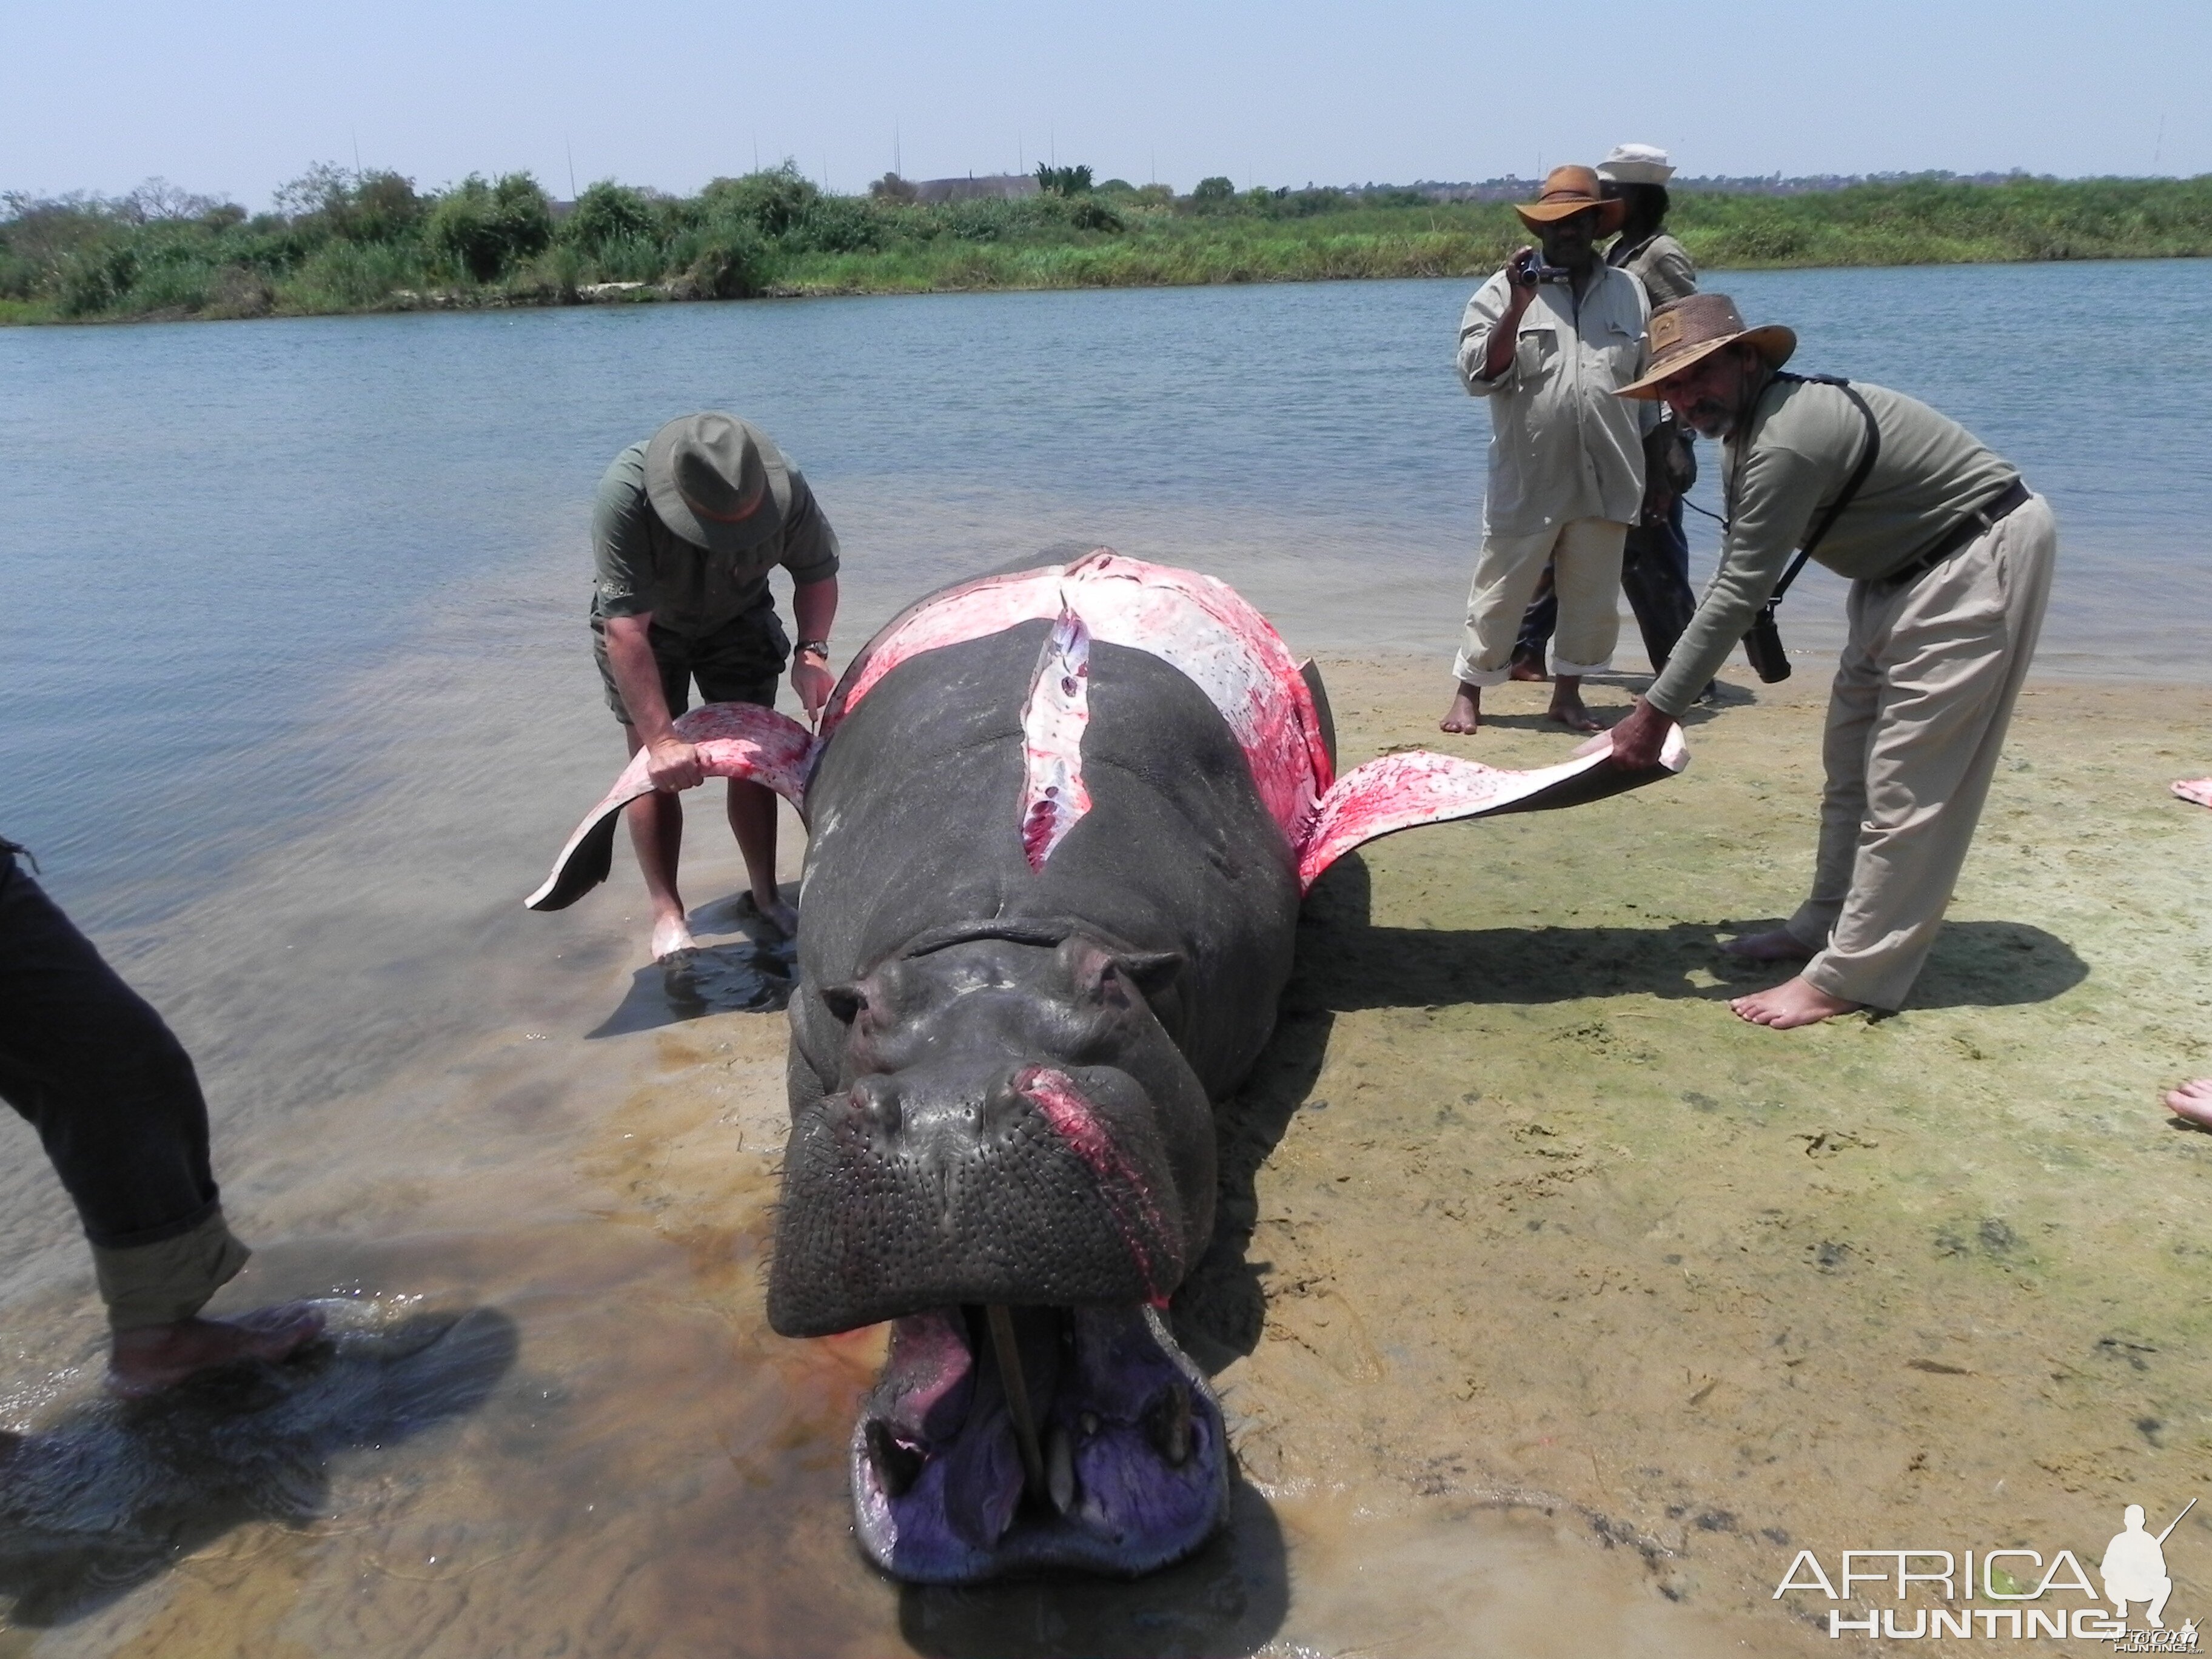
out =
column 2026, row 1593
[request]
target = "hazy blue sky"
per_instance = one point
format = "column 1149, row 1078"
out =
column 234, row 97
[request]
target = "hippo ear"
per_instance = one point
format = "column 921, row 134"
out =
column 1093, row 967
column 845, row 1001
column 1150, row 971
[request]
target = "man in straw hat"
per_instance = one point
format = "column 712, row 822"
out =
column 686, row 527
column 1654, row 565
column 1949, row 556
column 1566, row 458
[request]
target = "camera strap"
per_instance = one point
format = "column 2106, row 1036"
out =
column 1868, row 456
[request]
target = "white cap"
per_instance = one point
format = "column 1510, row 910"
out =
column 1636, row 164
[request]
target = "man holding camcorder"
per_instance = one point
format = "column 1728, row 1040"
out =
column 1949, row 556
column 1549, row 340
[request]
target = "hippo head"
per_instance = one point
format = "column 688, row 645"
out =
column 1017, row 1171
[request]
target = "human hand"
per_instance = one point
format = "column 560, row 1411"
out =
column 1639, row 736
column 812, row 680
column 1520, row 274
column 673, row 764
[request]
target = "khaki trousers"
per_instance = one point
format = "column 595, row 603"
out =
column 1585, row 554
column 1917, row 715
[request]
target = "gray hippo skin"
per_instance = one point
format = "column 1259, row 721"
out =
column 1050, row 899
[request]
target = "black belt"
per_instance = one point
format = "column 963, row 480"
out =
column 1971, row 528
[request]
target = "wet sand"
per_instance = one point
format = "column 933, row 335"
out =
column 1552, row 1308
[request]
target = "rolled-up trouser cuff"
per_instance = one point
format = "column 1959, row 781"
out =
column 1576, row 670
column 1468, row 674
column 1824, row 976
column 162, row 1283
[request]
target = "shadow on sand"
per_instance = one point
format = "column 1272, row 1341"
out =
column 1344, row 963
column 752, row 974
column 113, row 1494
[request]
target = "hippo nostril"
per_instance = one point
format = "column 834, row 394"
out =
column 876, row 1103
column 1003, row 1102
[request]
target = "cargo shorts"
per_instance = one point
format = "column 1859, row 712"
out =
column 738, row 662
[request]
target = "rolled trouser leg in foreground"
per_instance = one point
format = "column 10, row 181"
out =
column 1586, row 574
column 1953, row 649
column 118, row 1107
column 1853, row 700
column 1506, row 572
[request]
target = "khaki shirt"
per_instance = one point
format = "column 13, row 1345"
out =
column 1779, row 478
column 643, row 568
column 1562, row 446
column 1660, row 262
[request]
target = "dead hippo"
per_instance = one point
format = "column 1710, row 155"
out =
column 1061, row 819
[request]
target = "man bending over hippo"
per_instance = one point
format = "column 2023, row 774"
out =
column 114, row 1096
column 1949, row 556
column 685, row 530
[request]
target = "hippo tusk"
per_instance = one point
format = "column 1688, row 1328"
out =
column 1017, row 1394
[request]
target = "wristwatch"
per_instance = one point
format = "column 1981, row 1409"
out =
column 819, row 648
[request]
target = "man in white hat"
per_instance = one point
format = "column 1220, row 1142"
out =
column 1548, row 343
column 685, row 530
column 1949, row 556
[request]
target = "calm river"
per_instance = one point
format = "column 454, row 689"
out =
column 297, row 703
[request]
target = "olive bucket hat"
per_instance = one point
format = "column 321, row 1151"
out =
column 1696, row 326
column 718, row 481
column 1568, row 191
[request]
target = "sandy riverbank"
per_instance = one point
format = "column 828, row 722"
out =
column 1554, row 1307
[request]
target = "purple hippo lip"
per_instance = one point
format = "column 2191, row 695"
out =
column 1135, row 1469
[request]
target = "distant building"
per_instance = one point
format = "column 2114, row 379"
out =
column 992, row 186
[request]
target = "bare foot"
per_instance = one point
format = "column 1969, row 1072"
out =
column 157, row 1356
column 1792, row 1003
column 777, row 914
column 2197, row 789
column 2193, row 1101
column 1569, row 711
column 1465, row 713
column 1526, row 668
column 669, row 935
column 1776, row 945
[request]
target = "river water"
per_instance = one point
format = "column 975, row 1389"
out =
column 297, row 704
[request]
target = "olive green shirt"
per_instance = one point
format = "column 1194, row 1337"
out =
column 643, row 568
column 1660, row 262
column 1562, row 446
column 1780, row 477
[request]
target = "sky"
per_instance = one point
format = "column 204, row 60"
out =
column 233, row 97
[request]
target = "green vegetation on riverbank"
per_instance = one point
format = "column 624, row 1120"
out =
column 341, row 241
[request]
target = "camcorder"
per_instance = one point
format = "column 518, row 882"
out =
column 1530, row 268
column 1762, row 646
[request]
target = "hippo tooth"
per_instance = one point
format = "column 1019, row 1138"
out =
column 1060, row 1469
column 897, row 1464
column 1167, row 1423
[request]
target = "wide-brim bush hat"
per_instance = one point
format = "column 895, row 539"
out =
column 1697, row 325
column 700, row 472
column 1568, row 191
column 1636, row 164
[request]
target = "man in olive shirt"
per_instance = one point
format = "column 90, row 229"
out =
column 685, row 530
column 1950, row 558
column 1566, row 458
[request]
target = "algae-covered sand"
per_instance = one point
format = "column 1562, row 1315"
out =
column 1553, row 1308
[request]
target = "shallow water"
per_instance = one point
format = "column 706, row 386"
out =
column 298, row 706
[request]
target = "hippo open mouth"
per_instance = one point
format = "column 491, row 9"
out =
column 1004, row 1439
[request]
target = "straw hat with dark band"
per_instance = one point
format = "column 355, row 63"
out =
column 700, row 470
column 1696, row 326
column 1568, row 191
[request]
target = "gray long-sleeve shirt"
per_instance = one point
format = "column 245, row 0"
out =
column 1801, row 447
column 1562, row 446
